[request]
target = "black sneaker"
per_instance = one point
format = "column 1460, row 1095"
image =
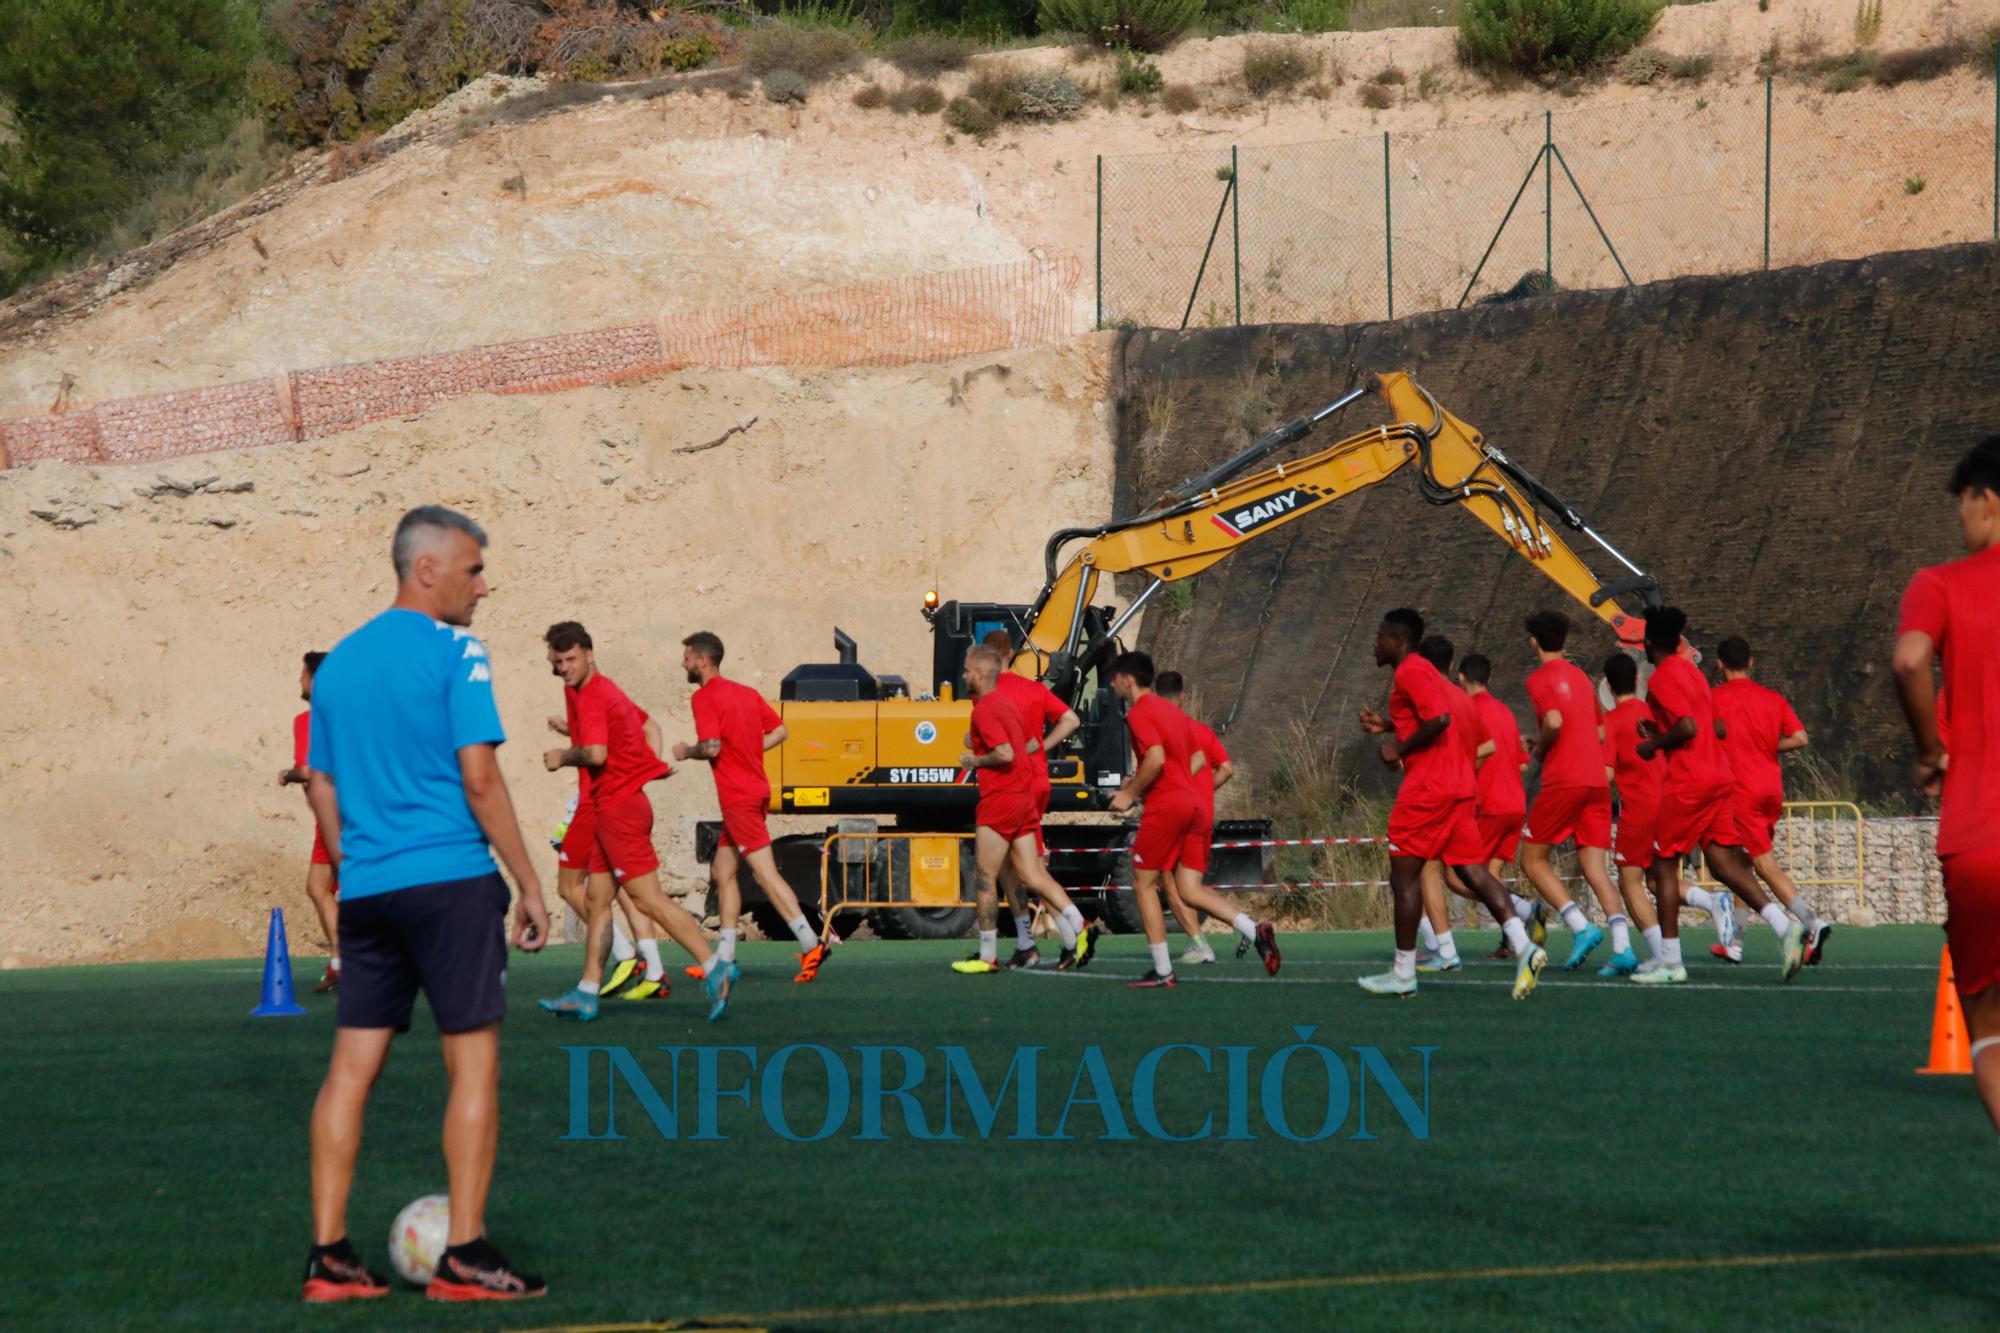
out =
column 1267, row 947
column 1242, row 946
column 335, row 1273
column 1024, row 958
column 1816, row 944
column 1066, row 960
column 475, row 1271
column 1153, row 980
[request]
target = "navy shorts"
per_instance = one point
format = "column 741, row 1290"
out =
column 448, row 940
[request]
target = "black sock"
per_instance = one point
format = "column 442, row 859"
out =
column 339, row 1249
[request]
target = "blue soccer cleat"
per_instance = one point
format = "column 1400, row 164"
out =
column 1623, row 964
column 716, row 985
column 1586, row 939
column 578, row 1003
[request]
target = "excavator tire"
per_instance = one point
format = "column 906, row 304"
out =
column 922, row 923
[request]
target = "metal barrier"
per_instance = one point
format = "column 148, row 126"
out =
column 859, row 872
column 1813, row 838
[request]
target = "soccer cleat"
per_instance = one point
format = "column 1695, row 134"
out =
column 1726, row 930
column 1729, row 953
column 647, row 989
column 811, row 961
column 693, row 972
column 475, row 1271
column 1242, row 946
column 717, row 985
column 335, row 1273
column 331, row 981
column 1586, row 939
column 1503, row 953
column 1795, row 950
column 1024, row 959
column 1529, row 971
column 574, row 1003
column 1066, row 960
column 1429, row 960
column 1538, row 929
column 1816, row 943
column 1200, row 951
column 1154, row 981
column 1653, row 972
column 1267, row 948
column 1388, row 983
column 973, row 967
column 625, row 974
column 1086, row 943
column 1623, row 964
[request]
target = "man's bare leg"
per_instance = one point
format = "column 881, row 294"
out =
column 358, row 1057
column 1786, row 890
column 677, row 921
column 990, row 851
column 471, row 1125
column 1732, row 867
column 1982, row 1021
column 1199, row 896
column 1024, row 864
column 320, row 892
column 1639, row 907
column 1435, row 926
column 1019, row 908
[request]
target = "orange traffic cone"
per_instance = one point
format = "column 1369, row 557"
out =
column 1951, row 1044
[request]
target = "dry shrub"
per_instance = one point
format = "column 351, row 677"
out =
column 871, row 96
column 1277, row 65
column 925, row 55
column 1377, row 98
column 970, row 116
column 921, row 99
column 348, row 158
column 815, row 53
column 1180, row 98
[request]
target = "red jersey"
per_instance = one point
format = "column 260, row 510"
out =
column 1500, row 790
column 1040, row 709
column 606, row 716
column 1440, row 772
column 569, row 724
column 1577, row 757
column 1153, row 721
column 1755, row 719
column 1638, row 779
column 301, row 738
column 1468, row 728
column 1678, row 690
column 997, row 722
column 1211, row 748
column 740, row 718
column 1958, row 606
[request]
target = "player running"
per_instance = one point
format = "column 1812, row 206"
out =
column 636, row 973
column 1172, row 826
column 1638, row 808
column 322, row 881
column 1951, row 613
column 1440, row 949
column 1433, row 816
column 734, row 726
column 1574, row 799
column 1757, row 725
column 1217, row 769
column 609, row 744
column 1008, row 828
column 1697, row 800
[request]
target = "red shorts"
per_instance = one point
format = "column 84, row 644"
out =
column 1757, row 816
column 579, row 850
column 1195, row 847
column 743, row 828
column 1972, row 917
column 1632, row 843
column 1012, row 815
column 1163, row 836
column 320, row 856
column 625, row 838
column 1437, row 831
column 1501, row 835
column 1562, row 813
column 1687, row 820
column 1041, row 804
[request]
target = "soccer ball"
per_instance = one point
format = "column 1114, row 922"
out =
column 416, row 1240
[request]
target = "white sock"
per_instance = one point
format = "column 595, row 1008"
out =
column 1517, row 936
column 1428, row 935
column 333, row 964
column 1447, row 947
column 802, row 933
column 726, row 946
column 1654, row 940
column 1523, row 908
column 650, row 951
column 1693, row 896
column 1245, row 926
column 989, row 946
column 1574, row 918
column 1069, row 925
column 621, row 943
column 1163, row 962
column 1774, row 916
column 1670, row 951
column 710, row 963
column 1621, row 934
column 1406, row 964
column 1024, row 931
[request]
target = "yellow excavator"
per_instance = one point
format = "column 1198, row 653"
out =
column 866, row 752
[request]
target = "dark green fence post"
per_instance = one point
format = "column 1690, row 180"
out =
column 1548, row 203
column 1236, row 229
column 1100, row 240
column 1388, row 230
column 1767, row 171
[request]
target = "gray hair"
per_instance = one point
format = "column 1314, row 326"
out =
column 418, row 527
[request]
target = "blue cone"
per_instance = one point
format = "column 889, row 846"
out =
column 278, row 1001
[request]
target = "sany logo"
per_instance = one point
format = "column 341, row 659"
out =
column 1241, row 522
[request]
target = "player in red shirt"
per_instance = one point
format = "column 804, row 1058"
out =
column 608, row 742
column 1951, row 614
column 1048, row 722
column 1638, row 805
column 1697, row 802
column 1433, row 818
column 1502, row 800
column 1216, row 772
column 322, row 878
column 734, row 726
column 1440, row 948
column 1756, row 726
column 1008, row 829
column 1574, row 799
column 1173, row 829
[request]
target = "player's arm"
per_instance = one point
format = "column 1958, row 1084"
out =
column 1798, row 740
column 297, row 774
column 325, row 805
column 1549, row 729
column 576, row 756
column 654, row 737
column 1151, row 765
column 1223, row 772
column 775, row 737
column 486, row 794
column 1426, row 734
column 1487, row 749
column 1064, row 728
column 999, row 756
column 1916, row 690
column 1673, row 738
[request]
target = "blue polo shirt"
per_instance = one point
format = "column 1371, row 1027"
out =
column 393, row 704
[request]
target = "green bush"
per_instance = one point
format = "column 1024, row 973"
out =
column 988, row 19
column 1277, row 64
column 922, row 99
column 968, row 116
column 1550, row 37
column 1691, row 69
column 815, row 54
column 1138, row 77
column 1643, row 66
column 1306, row 16
column 1142, row 25
column 1921, row 63
column 1013, row 93
column 786, row 85
column 925, row 55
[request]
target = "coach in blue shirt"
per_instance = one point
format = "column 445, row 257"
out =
column 408, row 795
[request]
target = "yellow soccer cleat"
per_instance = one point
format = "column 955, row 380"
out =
column 623, row 974
column 974, row 966
column 645, row 990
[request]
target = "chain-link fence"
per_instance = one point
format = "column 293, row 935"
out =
column 1712, row 180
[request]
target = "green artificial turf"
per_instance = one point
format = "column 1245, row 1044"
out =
column 155, row 1153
